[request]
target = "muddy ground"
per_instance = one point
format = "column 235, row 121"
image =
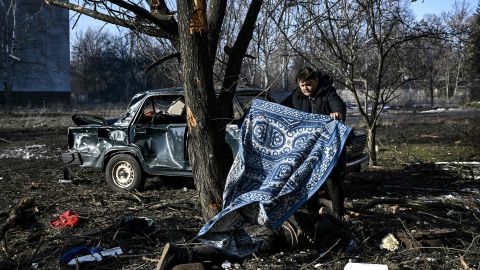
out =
column 432, row 209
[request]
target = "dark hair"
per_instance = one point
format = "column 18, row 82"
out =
column 306, row 74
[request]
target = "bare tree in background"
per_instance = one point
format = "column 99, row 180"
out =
column 194, row 32
column 111, row 67
column 473, row 47
column 362, row 44
column 427, row 56
column 13, row 36
column 458, row 25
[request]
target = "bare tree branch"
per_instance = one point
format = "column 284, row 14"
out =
column 216, row 11
column 239, row 50
column 161, row 60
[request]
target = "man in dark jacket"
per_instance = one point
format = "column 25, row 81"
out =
column 315, row 94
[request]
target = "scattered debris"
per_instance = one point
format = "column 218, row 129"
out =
column 34, row 185
column 189, row 266
column 427, row 238
column 67, row 219
column 465, row 264
column 22, row 211
column 365, row 266
column 465, row 169
column 97, row 256
column 398, row 196
column 226, row 265
column 65, row 181
column 389, row 243
column 70, row 254
column 137, row 225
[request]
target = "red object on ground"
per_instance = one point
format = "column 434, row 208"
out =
column 67, row 219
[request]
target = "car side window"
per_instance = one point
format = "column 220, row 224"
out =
column 177, row 107
column 169, row 110
column 147, row 112
column 149, row 108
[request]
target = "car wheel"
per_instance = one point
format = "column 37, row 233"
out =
column 124, row 173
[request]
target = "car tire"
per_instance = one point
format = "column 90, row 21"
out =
column 123, row 173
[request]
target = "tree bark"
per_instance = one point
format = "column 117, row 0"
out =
column 209, row 154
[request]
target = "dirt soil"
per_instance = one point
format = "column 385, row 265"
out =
column 431, row 209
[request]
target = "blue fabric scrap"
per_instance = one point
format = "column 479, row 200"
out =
column 70, row 254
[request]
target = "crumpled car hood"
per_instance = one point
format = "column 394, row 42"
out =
column 88, row 120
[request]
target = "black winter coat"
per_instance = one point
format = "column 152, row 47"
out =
column 324, row 101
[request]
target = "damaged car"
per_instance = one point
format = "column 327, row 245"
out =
column 150, row 139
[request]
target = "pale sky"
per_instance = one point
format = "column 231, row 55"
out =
column 437, row 6
column 420, row 7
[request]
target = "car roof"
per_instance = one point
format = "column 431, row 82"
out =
column 179, row 91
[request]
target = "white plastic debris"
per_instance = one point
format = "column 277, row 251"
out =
column 65, row 181
column 97, row 256
column 226, row 265
column 185, row 189
column 389, row 243
column 365, row 266
column 450, row 213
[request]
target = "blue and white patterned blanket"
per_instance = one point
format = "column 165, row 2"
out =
column 285, row 155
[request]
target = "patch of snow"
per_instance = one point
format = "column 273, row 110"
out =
column 36, row 151
column 442, row 110
column 472, row 190
column 449, row 197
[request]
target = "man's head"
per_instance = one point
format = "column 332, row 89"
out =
column 307, row 81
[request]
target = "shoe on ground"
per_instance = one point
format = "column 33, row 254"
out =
column 189, row 266
column 171, row 256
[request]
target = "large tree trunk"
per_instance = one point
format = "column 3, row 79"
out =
column 209, row 154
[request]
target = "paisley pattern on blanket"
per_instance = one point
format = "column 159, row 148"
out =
column 285, row 155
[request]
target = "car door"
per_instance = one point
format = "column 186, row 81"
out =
column 159, row 132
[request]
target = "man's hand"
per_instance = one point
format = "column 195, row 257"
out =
column 336, row 115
